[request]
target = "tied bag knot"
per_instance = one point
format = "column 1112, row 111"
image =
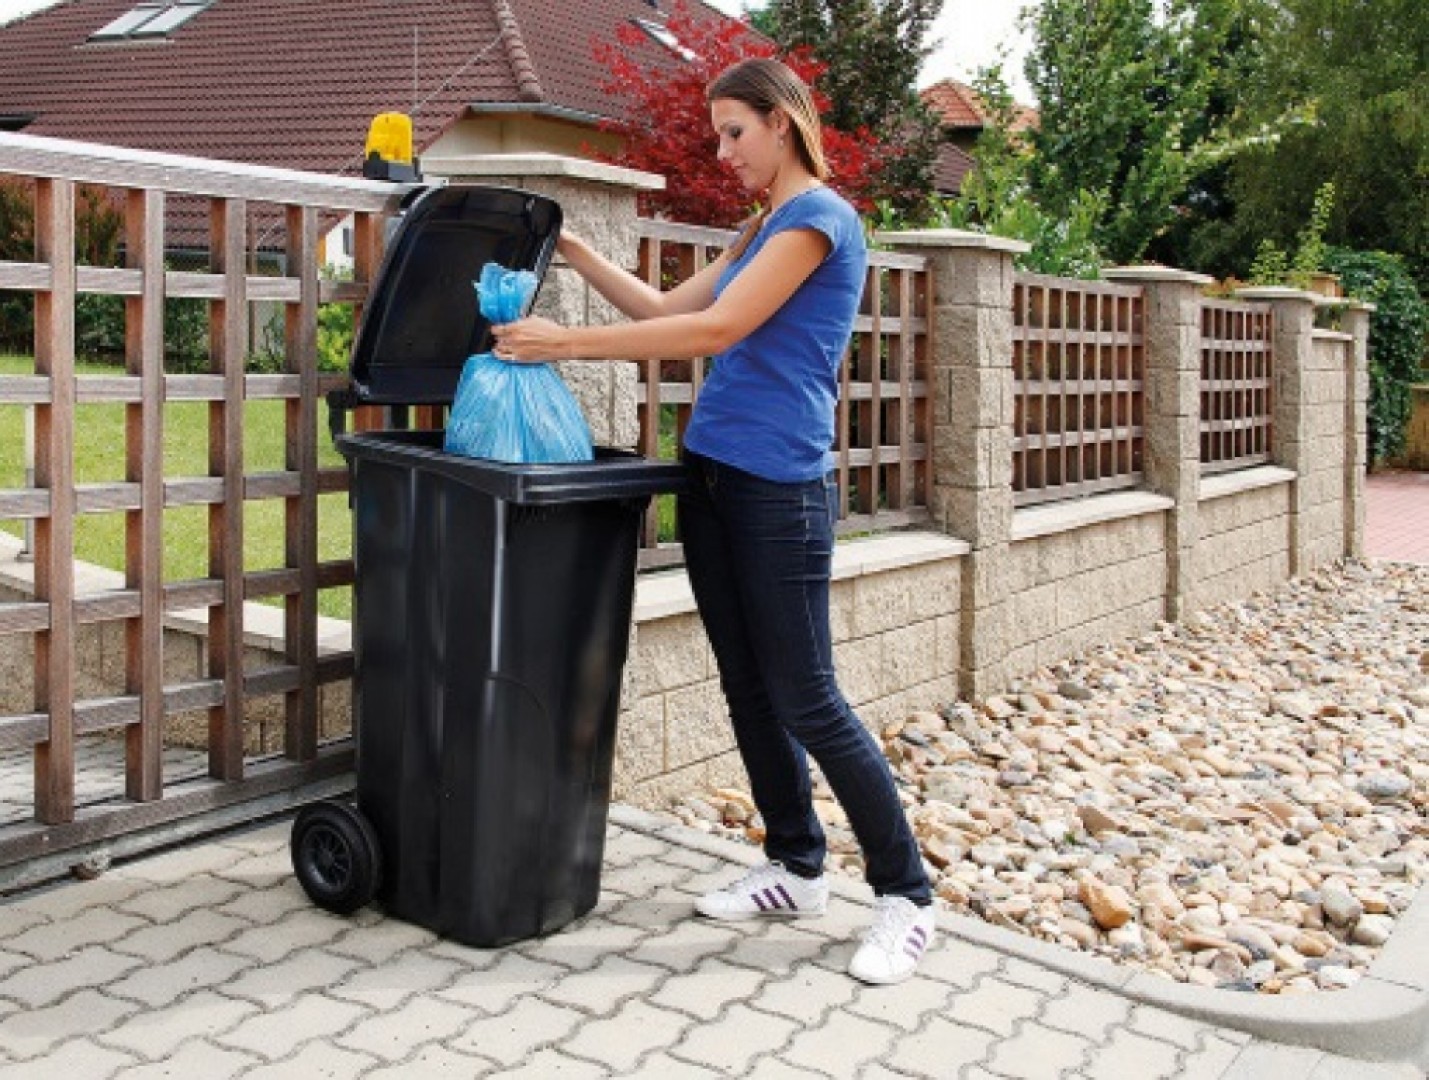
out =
column 514, row 413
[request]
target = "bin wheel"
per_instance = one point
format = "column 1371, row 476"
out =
column 335, row 856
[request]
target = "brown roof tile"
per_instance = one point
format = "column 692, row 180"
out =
column 280, row 82
column 960, row 107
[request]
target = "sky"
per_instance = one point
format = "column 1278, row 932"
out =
column 970, row 32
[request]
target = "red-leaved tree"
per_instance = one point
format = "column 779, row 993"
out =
column 666, row 128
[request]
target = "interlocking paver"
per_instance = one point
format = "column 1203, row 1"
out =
column 29, row 1033
column 1128, row 1054
column 510, row 1038
column 309, row 970
column 841, row 1045
column 1086, row 1014
column 53, row 940
column 775, row 951
column 606, row 987
column 387, row 985
column 271, row 943
column 183, row 864
column 275, row 1035
column 1043, row 980
column 664, row 1067
column 996, row 1006
column 643, row 878
column 547, row 1063
column 629, row 848
column 1037, row 1052
column 621, row 1040
column 378, row 942
column 510, row 979
column 168, row 905
column 906, row 1008
column 684, row 945
column 78, row 1058
column 390, row 1034
column 806, row 995
column 596, row 941
column 58, row 903
column 316, row 1059
column 433, row 1062
column 266, row 903
column 732, row 1041
column 198, row 1059
column 159, row 985
column 44, row 984
column 703, row 992
column 1216, row 1055
column 154, row 1034
column 168, row 941
column 1167, row 1027
column 959, row 963
column 773, row 1068
column 941, row 1049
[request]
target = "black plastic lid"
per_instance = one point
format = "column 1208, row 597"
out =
column 421, row 321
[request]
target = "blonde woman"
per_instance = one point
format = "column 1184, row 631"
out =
column 776, row 311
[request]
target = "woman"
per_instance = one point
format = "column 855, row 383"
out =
column 776, row 311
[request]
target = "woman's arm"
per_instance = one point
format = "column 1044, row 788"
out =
column 756, row 293
column 634, row 298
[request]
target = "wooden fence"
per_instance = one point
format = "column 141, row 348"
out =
column 1237, row 344
column 144, row 187
column 883, row 447
column 1078, row 359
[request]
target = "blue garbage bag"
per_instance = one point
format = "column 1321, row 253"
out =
column 513, row 413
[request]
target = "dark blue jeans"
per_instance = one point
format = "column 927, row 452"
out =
column 759, row 556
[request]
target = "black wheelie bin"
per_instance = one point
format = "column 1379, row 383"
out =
column 492, row 608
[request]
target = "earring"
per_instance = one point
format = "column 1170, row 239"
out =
column 781, row 142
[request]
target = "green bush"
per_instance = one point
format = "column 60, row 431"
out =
column 1397, row 337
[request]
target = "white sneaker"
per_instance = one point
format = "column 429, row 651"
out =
column 767, row 890
column 901, row 933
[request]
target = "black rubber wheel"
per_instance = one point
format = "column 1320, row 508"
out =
column 335, row 856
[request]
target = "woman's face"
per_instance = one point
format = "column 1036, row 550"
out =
column 748, row 142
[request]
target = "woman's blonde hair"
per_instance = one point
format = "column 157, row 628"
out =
column 765, row 85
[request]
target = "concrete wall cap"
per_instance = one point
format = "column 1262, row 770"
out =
column 1331, row 335
column 952, row 238
column 1158, row 275
column 1275, row 292
column 1219, row 485
column 541, row 164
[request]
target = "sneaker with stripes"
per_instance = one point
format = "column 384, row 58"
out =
column 767, row 890
column 901, row 933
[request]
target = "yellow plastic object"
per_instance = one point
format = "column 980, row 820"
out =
column 390, row 138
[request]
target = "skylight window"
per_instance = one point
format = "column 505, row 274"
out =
column 667, row 39
column 154, row 18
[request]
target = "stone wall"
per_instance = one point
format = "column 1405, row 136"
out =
column 1077, row 581
column 1244, row 541
column 895, row 620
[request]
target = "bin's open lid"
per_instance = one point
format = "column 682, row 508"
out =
column 421, row 321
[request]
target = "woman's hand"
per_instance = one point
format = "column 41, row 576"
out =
column 531, row 341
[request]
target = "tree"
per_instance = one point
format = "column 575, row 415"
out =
column 1346, row 88
column 1123, row 88
column 874, row 50
column 667, row 129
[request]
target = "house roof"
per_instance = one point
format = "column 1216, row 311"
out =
column 277, row 82
column 961, row 108
column 950, row 166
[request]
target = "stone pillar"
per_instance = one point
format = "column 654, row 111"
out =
column 598, row 204
column 1172, row 464
column 972, row 276
column 1292, row 439
column 1355, row 322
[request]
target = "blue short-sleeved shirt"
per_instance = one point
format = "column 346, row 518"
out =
column 768, row 407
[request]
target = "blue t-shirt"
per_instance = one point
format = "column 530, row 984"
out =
column 768, row 407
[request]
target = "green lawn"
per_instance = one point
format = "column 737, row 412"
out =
column 99, row 457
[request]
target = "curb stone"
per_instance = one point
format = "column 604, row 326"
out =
column 1383, row 1018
